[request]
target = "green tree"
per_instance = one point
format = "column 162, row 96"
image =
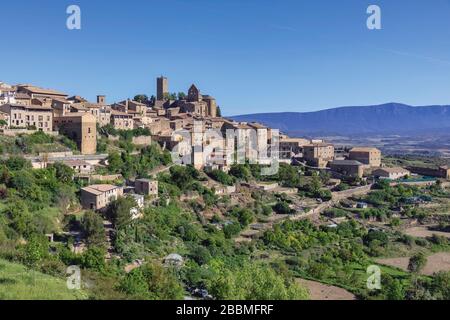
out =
column 153, row 282
column 63, row 173
column 282, row 208
column 35, row 250
column 142, row 98
column 417, row 262
column 94, row 258
column 20, row 217
column 115, row 162
column 93, row 229
column 241, row 172
column 118, row 211
column 254, row 281
column 181, row 96
column 15, row 163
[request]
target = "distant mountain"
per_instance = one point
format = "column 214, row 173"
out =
column 391, row 118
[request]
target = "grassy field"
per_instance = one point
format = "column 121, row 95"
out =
column 18, row 283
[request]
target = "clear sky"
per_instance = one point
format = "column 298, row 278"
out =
column 252, row 55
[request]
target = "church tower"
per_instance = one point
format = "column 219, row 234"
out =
column 162, row 88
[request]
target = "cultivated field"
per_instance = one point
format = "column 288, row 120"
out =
column 319, row 291
column 436, row 263
column 425, row 232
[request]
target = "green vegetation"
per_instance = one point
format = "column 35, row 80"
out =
column 19, row 283
column 206, row 230
column 35, row 143
column 140, row 164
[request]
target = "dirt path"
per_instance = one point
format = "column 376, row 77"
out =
column 159, row 170
column 320, row 291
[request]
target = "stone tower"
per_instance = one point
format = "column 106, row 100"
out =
column 162, row 88
column 101, row 99
column 194, row 94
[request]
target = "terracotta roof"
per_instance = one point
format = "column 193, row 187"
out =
column 38, row 90
column 119, row 113
column 346, row 163
column 319, row 144
column 364, row 149
column 34, row 107
column 79, row 98
column 98, row 189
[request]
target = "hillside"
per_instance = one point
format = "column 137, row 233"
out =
column 18, row 283
column 391, row 118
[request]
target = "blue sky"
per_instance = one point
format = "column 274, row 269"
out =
column 252, row 55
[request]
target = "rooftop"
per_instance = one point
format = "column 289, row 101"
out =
column 98, row 189
column 363, row 149
column 32, row 107
column 319, row 144
column 346, row 163
column 38, row 90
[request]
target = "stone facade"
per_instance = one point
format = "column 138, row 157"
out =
column 162, row 88
column 318, row 154
column 367, row 156
column 121, row 120
column 391, row 173
column 80, row 127
column 98, row 197
column 348, row 168
column 146, row 187
column 26, row 116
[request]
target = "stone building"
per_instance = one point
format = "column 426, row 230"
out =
column 391, row 173
column 122, row 120
column 366, row 155
column 348, row 168
column 27, row 116
column 318, row 154
column 80, row 127
column 196, row 103
column 440, row 172
column 162, row 88
column 36, row 92
column 291, row 147
column 98, row 197
column 146, row 187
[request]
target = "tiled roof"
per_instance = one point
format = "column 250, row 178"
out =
column 37, row 90
column 99, row 188
column 363, row 149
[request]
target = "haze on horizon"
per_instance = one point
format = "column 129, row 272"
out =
column 253, row 56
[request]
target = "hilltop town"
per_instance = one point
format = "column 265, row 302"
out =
column 164, row 184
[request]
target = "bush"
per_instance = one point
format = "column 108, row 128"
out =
column 282, row 208
column 335, row 213
column 379, row 236
column 231, row 230
column 221, row 177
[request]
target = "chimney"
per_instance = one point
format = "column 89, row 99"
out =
column 101, row 99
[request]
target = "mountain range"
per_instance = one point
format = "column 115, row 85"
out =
column 385, row 119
